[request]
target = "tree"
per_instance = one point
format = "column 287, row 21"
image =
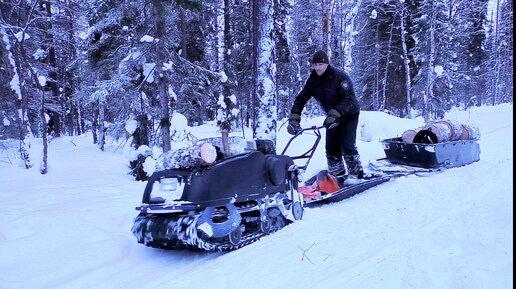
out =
column 501, row 52
column 227, row 113
column 19, row 21
column 287, row 67
column 266, row 73
column 429, row 28
column 306, row 27
column 406, row 60
column 141, row 61
column 378, row 58
column 161, row 77
column 343, row 32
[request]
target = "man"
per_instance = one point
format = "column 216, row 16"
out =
column 333, row 90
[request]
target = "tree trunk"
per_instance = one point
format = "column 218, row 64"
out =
column 228, row 120
column 25, row 131
column 44, row 161
column 408, row 87
column 102, row 121
column 41, row 87
column 429, row 92
column 386, row 69
column 161, row 77
column 327, row 13
column 72, row 124
column 52, row 74
column 141, row 134
column 255, row 35
column 266, row 75
column 182, row 28
column 94, row 125
column 376, row 90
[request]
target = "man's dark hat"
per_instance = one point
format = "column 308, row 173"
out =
column 320, row 57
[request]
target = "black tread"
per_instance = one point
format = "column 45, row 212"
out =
column 178, row 231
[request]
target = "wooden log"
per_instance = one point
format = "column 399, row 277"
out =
column 469, row 132
column 441, row 131
column 199, row 155
column 231, row 146
column 408, row 135
column 454, row 127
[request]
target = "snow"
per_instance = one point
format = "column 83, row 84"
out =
column 148, row 69
column 178, row 122
column 147, row 38
column 71, row 228
column 439, row 70
column 21, row 35
column 131, row 125
column 221, row 102
column 42, row 80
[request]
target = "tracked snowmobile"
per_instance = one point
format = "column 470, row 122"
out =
column 222, row 206
column 231, row 202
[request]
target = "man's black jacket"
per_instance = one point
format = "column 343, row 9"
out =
column 333, row 89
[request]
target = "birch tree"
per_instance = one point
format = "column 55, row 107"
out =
column 266, row 72
column 18, row 22
column 16, row 83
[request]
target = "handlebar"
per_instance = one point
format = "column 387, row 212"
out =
column 309, row 153
column 314, row 128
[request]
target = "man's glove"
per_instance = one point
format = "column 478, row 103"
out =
column 332, row 120
column 294, row 125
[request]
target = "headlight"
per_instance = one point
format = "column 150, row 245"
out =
column 171, row 188
column 168, row 184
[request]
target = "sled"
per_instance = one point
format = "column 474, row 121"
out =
column 448, row 154
column 330, row 190
column 349, row 188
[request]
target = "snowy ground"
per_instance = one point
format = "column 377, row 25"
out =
column 71, row 228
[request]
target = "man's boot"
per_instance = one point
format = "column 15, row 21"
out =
column 354, row 166
column 337, row 168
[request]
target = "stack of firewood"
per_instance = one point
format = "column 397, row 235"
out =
column 441, row 131
column 204, row 153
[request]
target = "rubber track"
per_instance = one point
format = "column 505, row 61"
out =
column 179, row 232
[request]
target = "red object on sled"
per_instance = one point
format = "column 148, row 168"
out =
column 309, row 192
column 327, row 184
column 324, row 182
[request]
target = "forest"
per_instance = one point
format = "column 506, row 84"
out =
column 69, row 66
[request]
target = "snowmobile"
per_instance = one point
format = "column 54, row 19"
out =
column 235, row 200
